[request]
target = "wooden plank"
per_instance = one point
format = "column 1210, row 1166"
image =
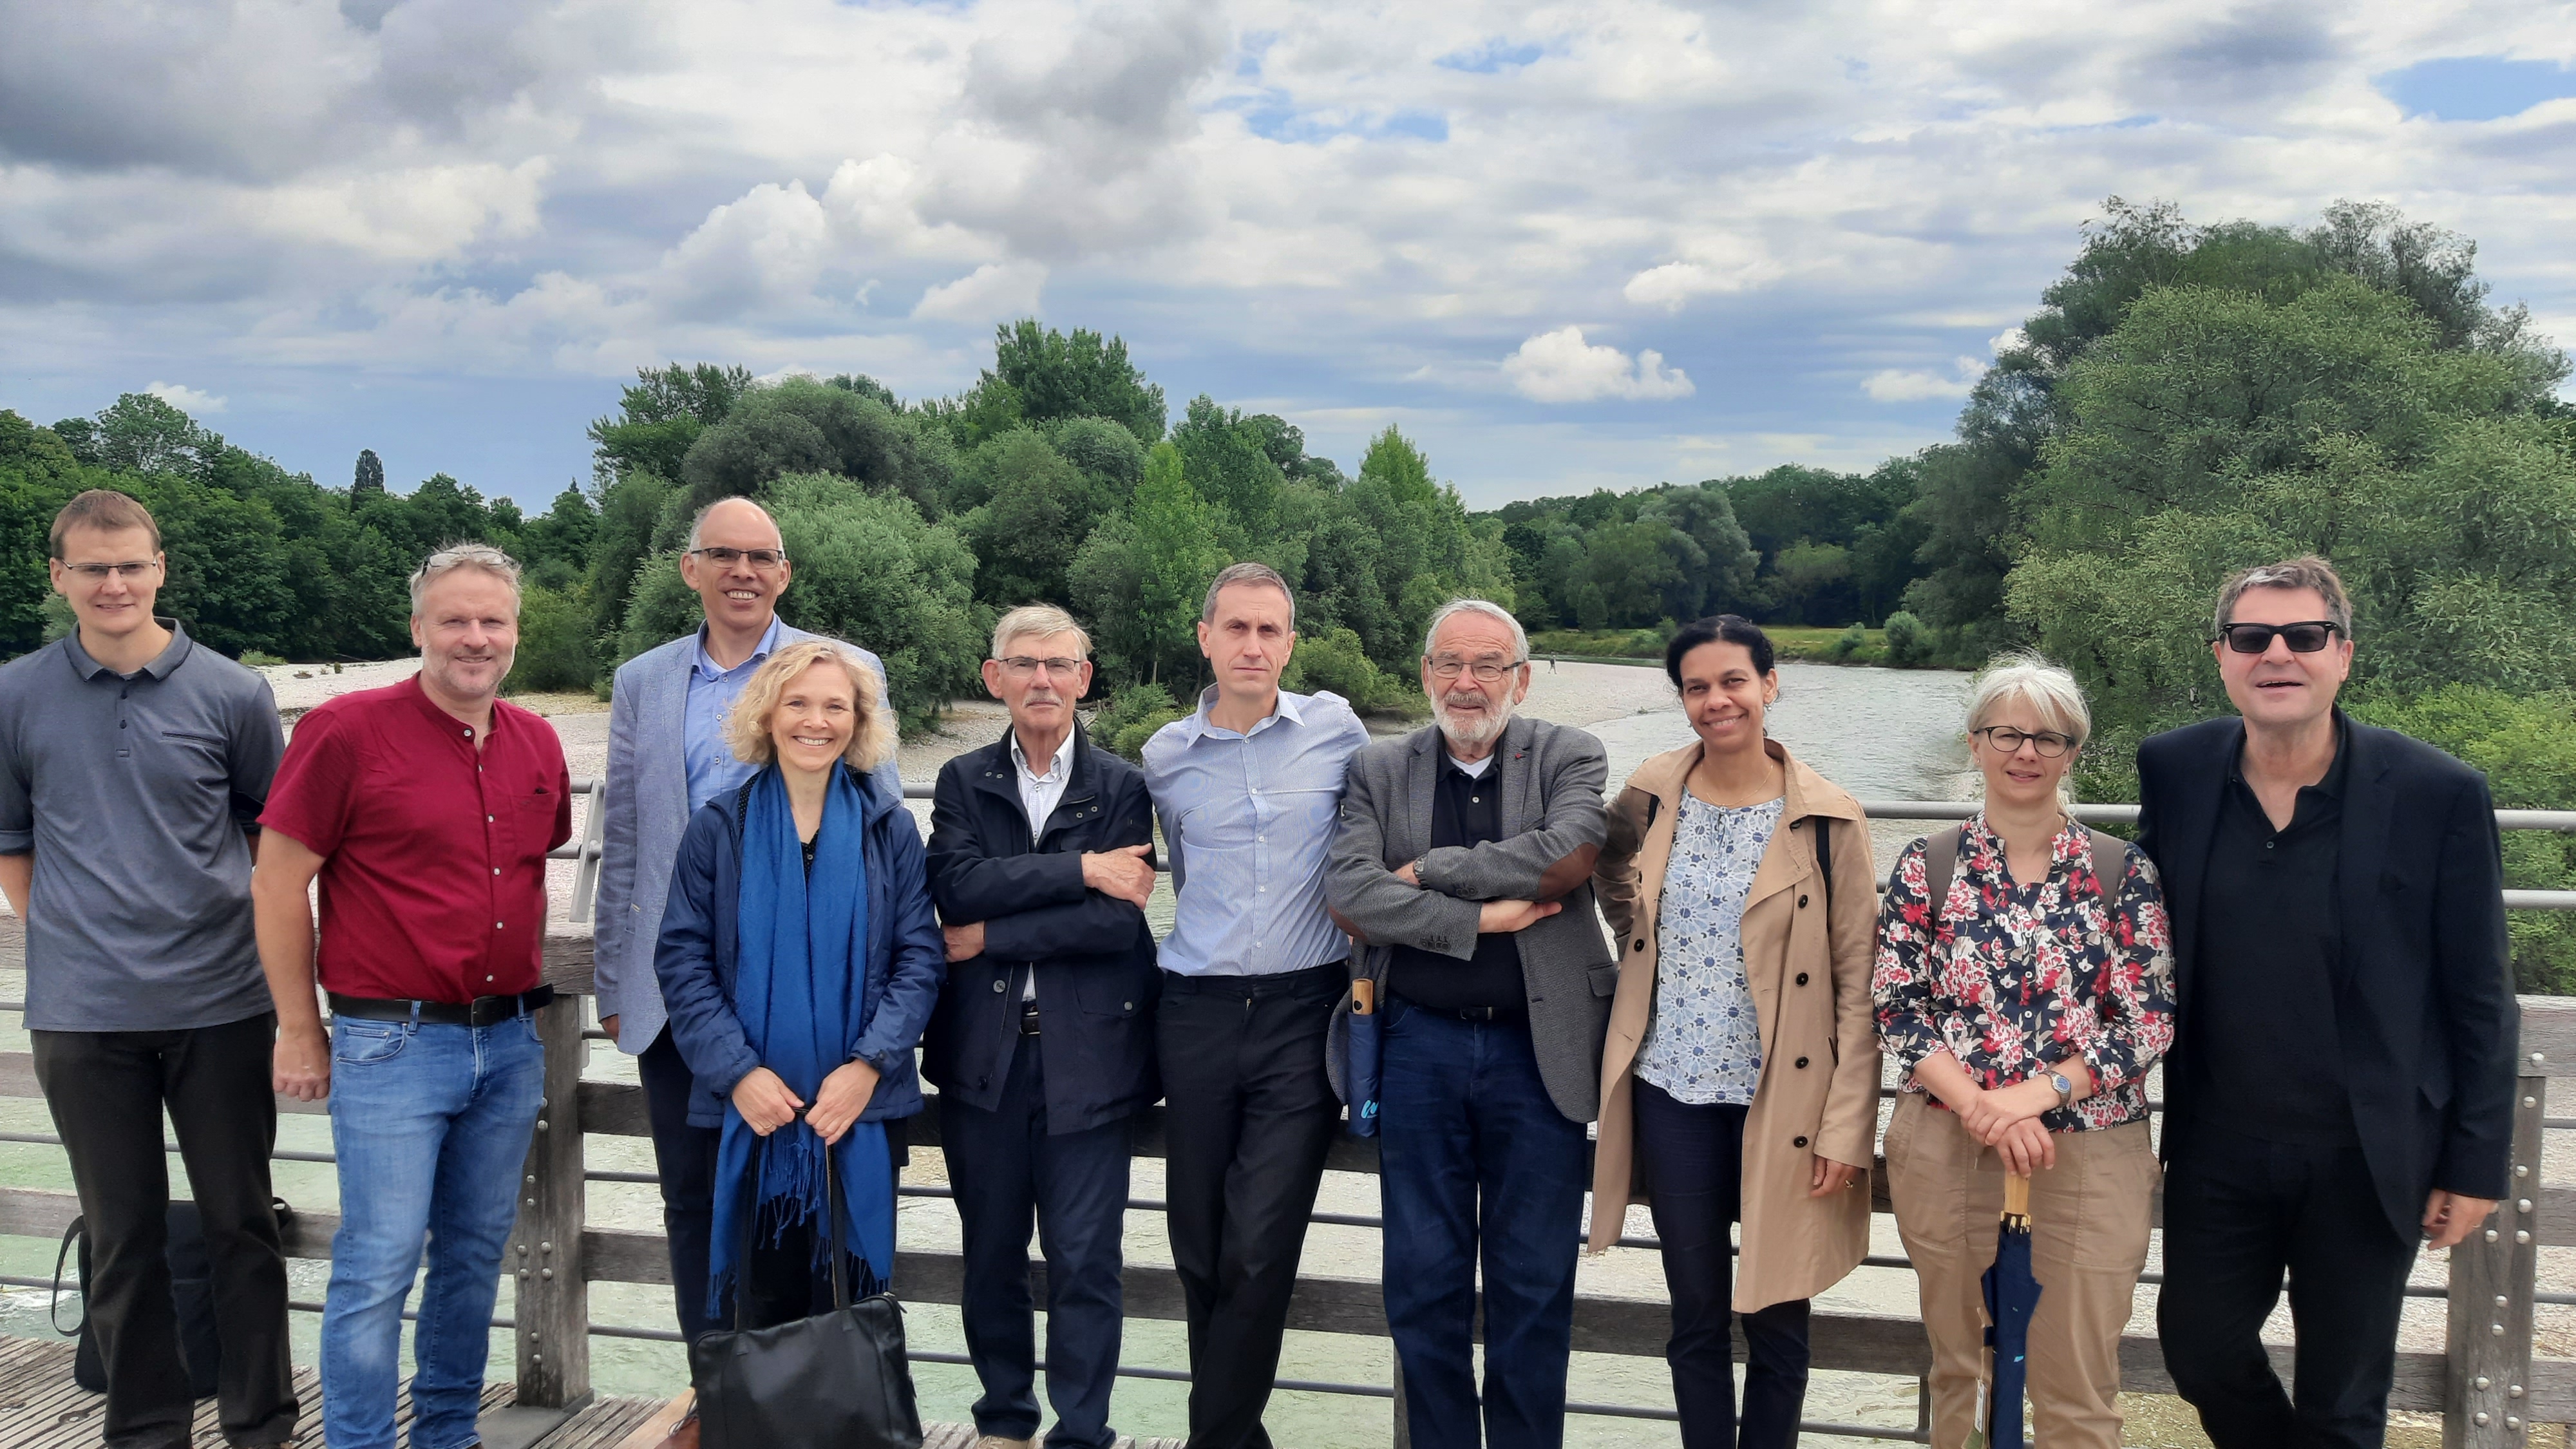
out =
column 544, row 1251
column 2488, row 1338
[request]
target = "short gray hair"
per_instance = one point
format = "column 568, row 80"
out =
column 1486, row 607
column 2306, row 572
column 1041, row 620
column 464, row 556
column 698, row 520
column 1258, row 575
column 2031, row 679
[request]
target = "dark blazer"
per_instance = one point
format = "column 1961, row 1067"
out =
column 1092, row 953
column 2425, row 1002
column 1551, row 776
column 695, row 956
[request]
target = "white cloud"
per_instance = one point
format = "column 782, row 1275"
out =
column 186, row 399
column 1716, row 265
column 1891, row 385
column 993, row 292
column 1560, row 366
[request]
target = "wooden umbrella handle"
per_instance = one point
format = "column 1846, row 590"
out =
column 2016, row 1195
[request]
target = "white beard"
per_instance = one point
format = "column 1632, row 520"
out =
column 1476, row 732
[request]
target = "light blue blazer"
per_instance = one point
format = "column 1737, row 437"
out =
column 647, row 807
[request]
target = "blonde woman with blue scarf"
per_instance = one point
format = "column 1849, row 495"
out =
column 801, row 958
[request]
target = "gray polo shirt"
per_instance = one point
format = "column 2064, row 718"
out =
column 133, row 792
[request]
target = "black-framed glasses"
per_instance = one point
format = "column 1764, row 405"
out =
column 1021, row 666
column 1486, row 671
column 96, row 573
column 2305, row 637
column 2005, row 740
column 759, row 558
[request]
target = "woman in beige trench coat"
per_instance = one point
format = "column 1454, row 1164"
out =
column 1738, row 1084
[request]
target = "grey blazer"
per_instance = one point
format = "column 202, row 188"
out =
column 647, row 806
column 1553, row 828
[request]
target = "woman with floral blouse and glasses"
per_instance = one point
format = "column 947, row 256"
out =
column 2023, row 1001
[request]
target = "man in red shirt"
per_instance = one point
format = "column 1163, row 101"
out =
column 426, row 809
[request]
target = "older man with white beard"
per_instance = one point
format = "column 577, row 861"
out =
column 1463, row 867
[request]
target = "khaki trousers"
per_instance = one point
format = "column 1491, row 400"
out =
column 2090, row 1216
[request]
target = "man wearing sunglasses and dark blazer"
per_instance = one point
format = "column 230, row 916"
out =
column 2341, row 1087
column 667, row 756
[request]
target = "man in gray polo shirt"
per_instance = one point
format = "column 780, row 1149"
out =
column 132, row 763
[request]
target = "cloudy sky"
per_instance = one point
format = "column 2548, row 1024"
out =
column 1563, row 245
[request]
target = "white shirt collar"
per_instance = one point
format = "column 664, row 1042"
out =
column 1056, row 767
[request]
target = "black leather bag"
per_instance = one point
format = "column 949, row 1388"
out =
column 837, row 1380
column 192, row 1297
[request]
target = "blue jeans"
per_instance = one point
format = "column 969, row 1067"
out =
column 1464, row 1119
column 431, row 1124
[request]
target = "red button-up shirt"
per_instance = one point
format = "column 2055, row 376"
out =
column 434, row 870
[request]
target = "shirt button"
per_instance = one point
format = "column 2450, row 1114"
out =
column 496, row 925
column 487, row 978
column 496, row 870
column 487, row 819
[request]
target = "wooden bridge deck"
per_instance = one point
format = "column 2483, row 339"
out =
column 41, row 1408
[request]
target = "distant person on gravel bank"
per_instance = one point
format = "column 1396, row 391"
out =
column 133, row 765
column 668, row 756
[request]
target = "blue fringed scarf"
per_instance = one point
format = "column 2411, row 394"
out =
column 800, row 992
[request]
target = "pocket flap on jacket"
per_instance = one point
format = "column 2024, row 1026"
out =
column 1605, row 980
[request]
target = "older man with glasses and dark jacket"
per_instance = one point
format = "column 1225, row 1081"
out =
column 2341, row 1084
column 1041, row 858
column 1463, row 866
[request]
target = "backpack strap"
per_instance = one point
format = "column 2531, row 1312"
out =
column 1825, row 860
column 2110, row 862
column 1940, row 863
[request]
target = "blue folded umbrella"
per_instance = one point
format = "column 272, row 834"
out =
column 2012, row 1296
column 1360, row 1063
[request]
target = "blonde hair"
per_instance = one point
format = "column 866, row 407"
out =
column 872, row 740
column 463, row 556
column 1041, row 621
column 2029, row 678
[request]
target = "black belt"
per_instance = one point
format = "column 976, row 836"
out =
column 485, row 1010
column 1479, row 1014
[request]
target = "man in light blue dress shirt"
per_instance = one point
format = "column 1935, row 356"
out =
column 667, row 756
column 1248, row 789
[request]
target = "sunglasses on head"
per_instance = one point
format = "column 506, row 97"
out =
column 2303, row 638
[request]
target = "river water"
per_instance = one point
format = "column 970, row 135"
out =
column 1881, row 734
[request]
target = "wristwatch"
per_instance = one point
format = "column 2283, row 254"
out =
column 2065, row 1090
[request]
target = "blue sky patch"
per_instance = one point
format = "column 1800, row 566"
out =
column 1494, row 55
column 2476, row 88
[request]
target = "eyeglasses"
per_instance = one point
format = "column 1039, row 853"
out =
column 1021, row 666
column 2303, row 638
column 1486, row 672
column 725, row 558
column 2005, row 740
column 96, row 573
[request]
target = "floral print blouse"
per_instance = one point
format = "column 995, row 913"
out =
column 1704, row 1043
column 2009, row 978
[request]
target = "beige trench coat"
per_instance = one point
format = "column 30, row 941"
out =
column 1819, row 1087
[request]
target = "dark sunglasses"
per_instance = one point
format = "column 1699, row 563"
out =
column 2303, row 638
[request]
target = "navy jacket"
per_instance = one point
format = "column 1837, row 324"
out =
column 1093, row 954
column 2424, row 1004
column 695, row 955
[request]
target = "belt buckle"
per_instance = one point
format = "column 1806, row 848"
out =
column 491, row 1010
column 1029, row 1020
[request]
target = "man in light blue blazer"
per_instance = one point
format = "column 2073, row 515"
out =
column 666, row 757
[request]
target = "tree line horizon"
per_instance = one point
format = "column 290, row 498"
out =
column 2186, row 399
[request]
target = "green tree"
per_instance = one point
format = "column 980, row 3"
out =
column 1035, row 509
column 1142, row 575
column 871, row 570
column 799, row 425
column 1054, row 374
column 661, row 415
column 371, row 473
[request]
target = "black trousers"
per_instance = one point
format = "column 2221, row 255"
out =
column 686, row 1159
column 1692, row 1157
column 107, row 1091
column 2238, row 1212
column 1008, row 1171
column 1248, row 1116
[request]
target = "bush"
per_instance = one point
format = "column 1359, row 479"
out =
column 1847, row 643
column 554, row 644
column 1335, row 660
column 2527, row 747
column 1909, row 644
column 871, row 571
column 254, row 659
column 1130, row 718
